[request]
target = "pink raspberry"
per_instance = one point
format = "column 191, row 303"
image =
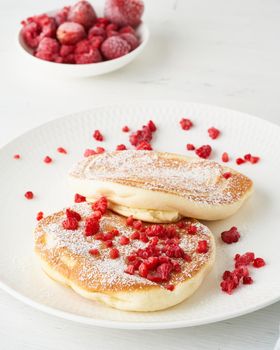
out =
column 48, row 45
column 86, row 53
column 83, row 13
column 62, row 15
column 131, row 39
column 124, row 12
column 69, row 33
column 114, row 47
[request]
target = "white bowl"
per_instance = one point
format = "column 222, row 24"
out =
column 82, row 70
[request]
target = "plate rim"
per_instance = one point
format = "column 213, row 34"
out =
column 134, row 325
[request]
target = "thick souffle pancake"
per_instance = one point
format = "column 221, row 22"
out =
column 122, row 262
column 161, row 187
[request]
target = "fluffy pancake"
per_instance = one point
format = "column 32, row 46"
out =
column 65, row 257
column 161, row 187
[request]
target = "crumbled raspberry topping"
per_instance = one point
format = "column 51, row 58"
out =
column 70, row 223
column 186, row 124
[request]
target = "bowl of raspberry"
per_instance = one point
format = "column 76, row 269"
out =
column 75, row 42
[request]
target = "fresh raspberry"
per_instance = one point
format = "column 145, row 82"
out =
column 227, row 175
column 132, row 40
column 225, row 157
column 186, row 124
column 125, row 128
column 129, row 221
column 202, row 247
column 114, row 253
column 247, row 280
column 127, row 29
column 73, row 214
column 91, row 227
column 70, row 224
column 17, row 156
column 94, row 252
column 213, row 133
column 89, row 152
column 240, row 161
column 97, row 135
column 83, row 13
column 39, row 216
column 258, row 262
column 190, row 147
column 114, row 47
column 69, row 33
column 47, row 159
column 144, row 145
column 121, row 147
column 124, row 12
column 29, row 195
column 79, row 198
column 97, row 31
column 100, row 205
column 124, row 240
column 61, row 150
column 230, row 236
column 204, row 151
column 62, row 15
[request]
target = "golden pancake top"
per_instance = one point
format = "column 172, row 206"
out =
column 196, row 179
column 67, row 252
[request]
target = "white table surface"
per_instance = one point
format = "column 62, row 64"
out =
column 220, row 52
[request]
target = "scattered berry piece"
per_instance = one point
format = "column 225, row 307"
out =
column 114, row 253
column 213, row 133
column 125, row 128
column 100, row 150
column 100, row 205
column 73, row 214
column 240, row 161
column 91, row 226
column 39, row 216
column 258, row 262
column 29, row 195
column 227, row 175
column 144, row 145
column 16, row 156
column 61, row 150
column 230, row 236
column 151, row 125
column 192, row 230
column 70, row 224
column 190, row 147
column 47, row 159
column 89, row 152
column 121, row 147
column 247, row 280
column 124, row 240
column 79, row 198
column 94, row 252
column 204, row 151
column 186, row 124
column 225, row 157
column 170, row 287
column 97, row 135
column 202, row 247
column 254, row 160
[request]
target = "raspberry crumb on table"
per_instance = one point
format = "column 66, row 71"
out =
column 29, row 195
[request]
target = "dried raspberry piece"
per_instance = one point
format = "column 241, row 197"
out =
column 61, row 150
column 228, row 286
column 73, row 214
column 258, row 262
column 130, row 269
column 141, row 135
column 127, row 29
column 170, row 287
column 143, row 270
column 99, row 236
column 129, row 221
column 39, row 216
column 204, row 151
column 240, row 161
column 100, row 150
column 108, row 244
column 190, row 147
column 135, row 235
column 151, row 125
column 254, row 159
column 164, row 270
column 29, row 195
column 192, row 230
column 124, row 12
column 112, row 27
column 247, row 280
column 187, row 258
column 230, row 236
column 125, row 128
column 70, row 33
column 89, row 152
column 202, row 247
column 144, row 238
column 213, row 133
column 66, row 50
column 144, row 145
column 97, row 31
column 227, row 175
column 225, row 157
column 94, row 252
column 70, row 224
column 83, row 13
column 121, row 147
column 114, row 253
column 17, row 156
column 248, row 157
column 186, row 124
column 115, row 232
column 96, row 41
column 101, row 205
column 137, row 224
column 97, row 135
column 108, row 236
column 132, row 40
column 124, row 240
column 244, row 260
column 79, row 198
column 47, row 159
column 114, row 47
column 91, row 227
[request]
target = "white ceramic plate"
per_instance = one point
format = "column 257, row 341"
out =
column 80, row 70
column 258, row 220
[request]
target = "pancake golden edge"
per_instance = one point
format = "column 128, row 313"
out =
column 161, row 187
column 64, row 257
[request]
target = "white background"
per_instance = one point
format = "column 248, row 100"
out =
column 220, row 52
